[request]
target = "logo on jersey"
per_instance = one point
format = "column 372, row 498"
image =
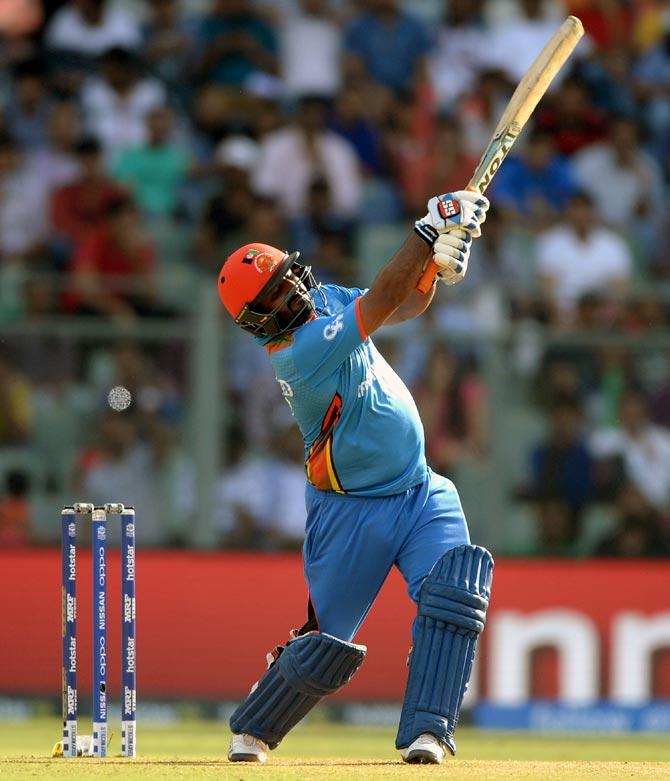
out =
column 287, row 392
column 448, row 208
column 333, row 329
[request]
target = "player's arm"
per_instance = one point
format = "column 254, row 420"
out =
column 394, row 283
column 414, row 305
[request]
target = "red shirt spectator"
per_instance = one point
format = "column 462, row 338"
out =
column 436, row 164
column 571, row 119
column 84, row 204
column 113, row 268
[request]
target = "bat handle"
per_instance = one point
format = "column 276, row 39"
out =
column 428, row 277
column 430, row 272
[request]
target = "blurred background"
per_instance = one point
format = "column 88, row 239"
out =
column 141, row 142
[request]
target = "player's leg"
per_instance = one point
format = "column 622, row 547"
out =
column 347, row 557
column 350, row 546
column 450, row 580
column 308, row 668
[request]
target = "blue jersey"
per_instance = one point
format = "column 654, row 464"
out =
column 362, row 431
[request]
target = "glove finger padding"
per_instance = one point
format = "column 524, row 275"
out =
column 451, row 252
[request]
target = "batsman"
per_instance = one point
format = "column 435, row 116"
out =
column 372, row 501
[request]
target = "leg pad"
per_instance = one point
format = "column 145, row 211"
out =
column 308, row 668
column 451, row 615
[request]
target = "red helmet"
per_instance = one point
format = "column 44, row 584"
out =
column 252, row 273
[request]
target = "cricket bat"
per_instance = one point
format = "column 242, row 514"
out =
column 526, row 96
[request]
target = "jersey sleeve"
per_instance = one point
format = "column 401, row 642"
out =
column 322, row 345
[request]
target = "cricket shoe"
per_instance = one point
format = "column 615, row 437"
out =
column 247, row 748
column 425, row 750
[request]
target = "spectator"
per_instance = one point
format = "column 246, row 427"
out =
column 83, row 205
column 151, row 476
column 223, row 223
column 332, row 257
column 23, row 197
column 56, row 164
column 44, row 356
column 310, row 44
column 638, row 449
column 609, row 78
column 16, row 403
column 554, row 529
column 437, row 164
column 236, row 43
column 113, row 269
column 353, row 120
column 91, row 27
column 157, row 171
column 461, row 52
column 560, row 465
column 20, row 17
column 608, row 23
column 28, row 105
column 558, row 377
column 534, row 186
column 259, row 497
column 452, row 403
column 580, row 255
column 659, row 402
column 236, row 157
column 155, row 393
column 15, row 512
column 652, row 76
column 571, row 117
column 516, row 42
column 293, row 158
column 619, row 165
column 239, row 493
column 168, row 40
column 480, row 111
column 117, row 102
column 499, row 260
column 173, row 482
column 637, row 533
column 387, row 45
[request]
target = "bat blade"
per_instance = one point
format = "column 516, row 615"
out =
column 527, row 95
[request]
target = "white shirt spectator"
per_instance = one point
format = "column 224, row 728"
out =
column 579, row 266
column 69, row 31
column 646, row 459
column 453, row 66
column 309, row 55
column 120, row 122
column 285, row 171
column 515, row 44
column 616, row 190
column 23, row 210
column 54, row 167
column 269, row 489
column 164, row 497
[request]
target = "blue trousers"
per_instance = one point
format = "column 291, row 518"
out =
column 352, row 542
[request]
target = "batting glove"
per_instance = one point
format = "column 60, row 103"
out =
column 451, row 252
column 462, row 209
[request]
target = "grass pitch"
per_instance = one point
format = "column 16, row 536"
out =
column 196, row 750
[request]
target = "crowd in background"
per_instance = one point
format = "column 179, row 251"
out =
column 325, row 125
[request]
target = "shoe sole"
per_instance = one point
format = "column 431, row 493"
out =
column 245, row 758
column 420, row 757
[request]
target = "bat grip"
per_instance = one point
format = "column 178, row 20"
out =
column 430, row 272
column 428, row 277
